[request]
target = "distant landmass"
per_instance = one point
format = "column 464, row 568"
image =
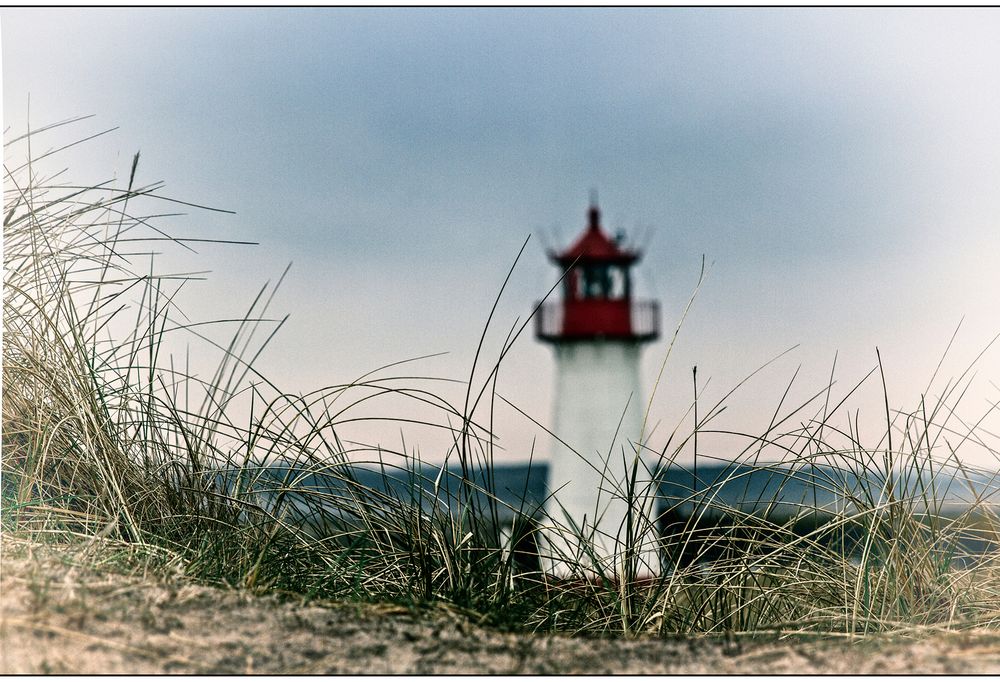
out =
column 777, row 491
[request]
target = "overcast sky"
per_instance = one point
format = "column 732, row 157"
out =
column 839, row 168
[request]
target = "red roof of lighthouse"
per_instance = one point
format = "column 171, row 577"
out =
column 594, row 246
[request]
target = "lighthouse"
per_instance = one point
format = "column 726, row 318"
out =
column 595, row 506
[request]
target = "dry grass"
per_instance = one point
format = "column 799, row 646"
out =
column 108, row 435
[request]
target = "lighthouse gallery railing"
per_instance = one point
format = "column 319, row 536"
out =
column 644, row 319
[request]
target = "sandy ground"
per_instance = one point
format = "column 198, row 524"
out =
column 56, row 616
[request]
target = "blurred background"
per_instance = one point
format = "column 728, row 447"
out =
column 838, row 170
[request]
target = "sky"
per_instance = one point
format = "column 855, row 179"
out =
column 836, row 168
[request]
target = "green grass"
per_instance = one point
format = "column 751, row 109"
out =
column 108, row 434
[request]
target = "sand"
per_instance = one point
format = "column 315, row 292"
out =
column 58, row 615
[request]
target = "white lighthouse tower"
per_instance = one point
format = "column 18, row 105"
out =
column 597, row 331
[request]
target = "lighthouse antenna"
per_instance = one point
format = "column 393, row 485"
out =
column 556, row 233
column 544, row 238
column 647, row 237
column 593, row 213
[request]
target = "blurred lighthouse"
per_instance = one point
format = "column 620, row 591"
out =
column 597, row 331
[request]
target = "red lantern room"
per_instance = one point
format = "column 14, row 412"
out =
column 597, row 292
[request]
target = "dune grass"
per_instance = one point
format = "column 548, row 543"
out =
column 108, row 433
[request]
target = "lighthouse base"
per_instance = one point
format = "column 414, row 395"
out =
column 599, row 513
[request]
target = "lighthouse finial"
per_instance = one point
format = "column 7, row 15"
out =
column 594, row 213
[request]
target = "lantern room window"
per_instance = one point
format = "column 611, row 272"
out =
column 597, row 281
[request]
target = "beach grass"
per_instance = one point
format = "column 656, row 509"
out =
column 108, row 434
